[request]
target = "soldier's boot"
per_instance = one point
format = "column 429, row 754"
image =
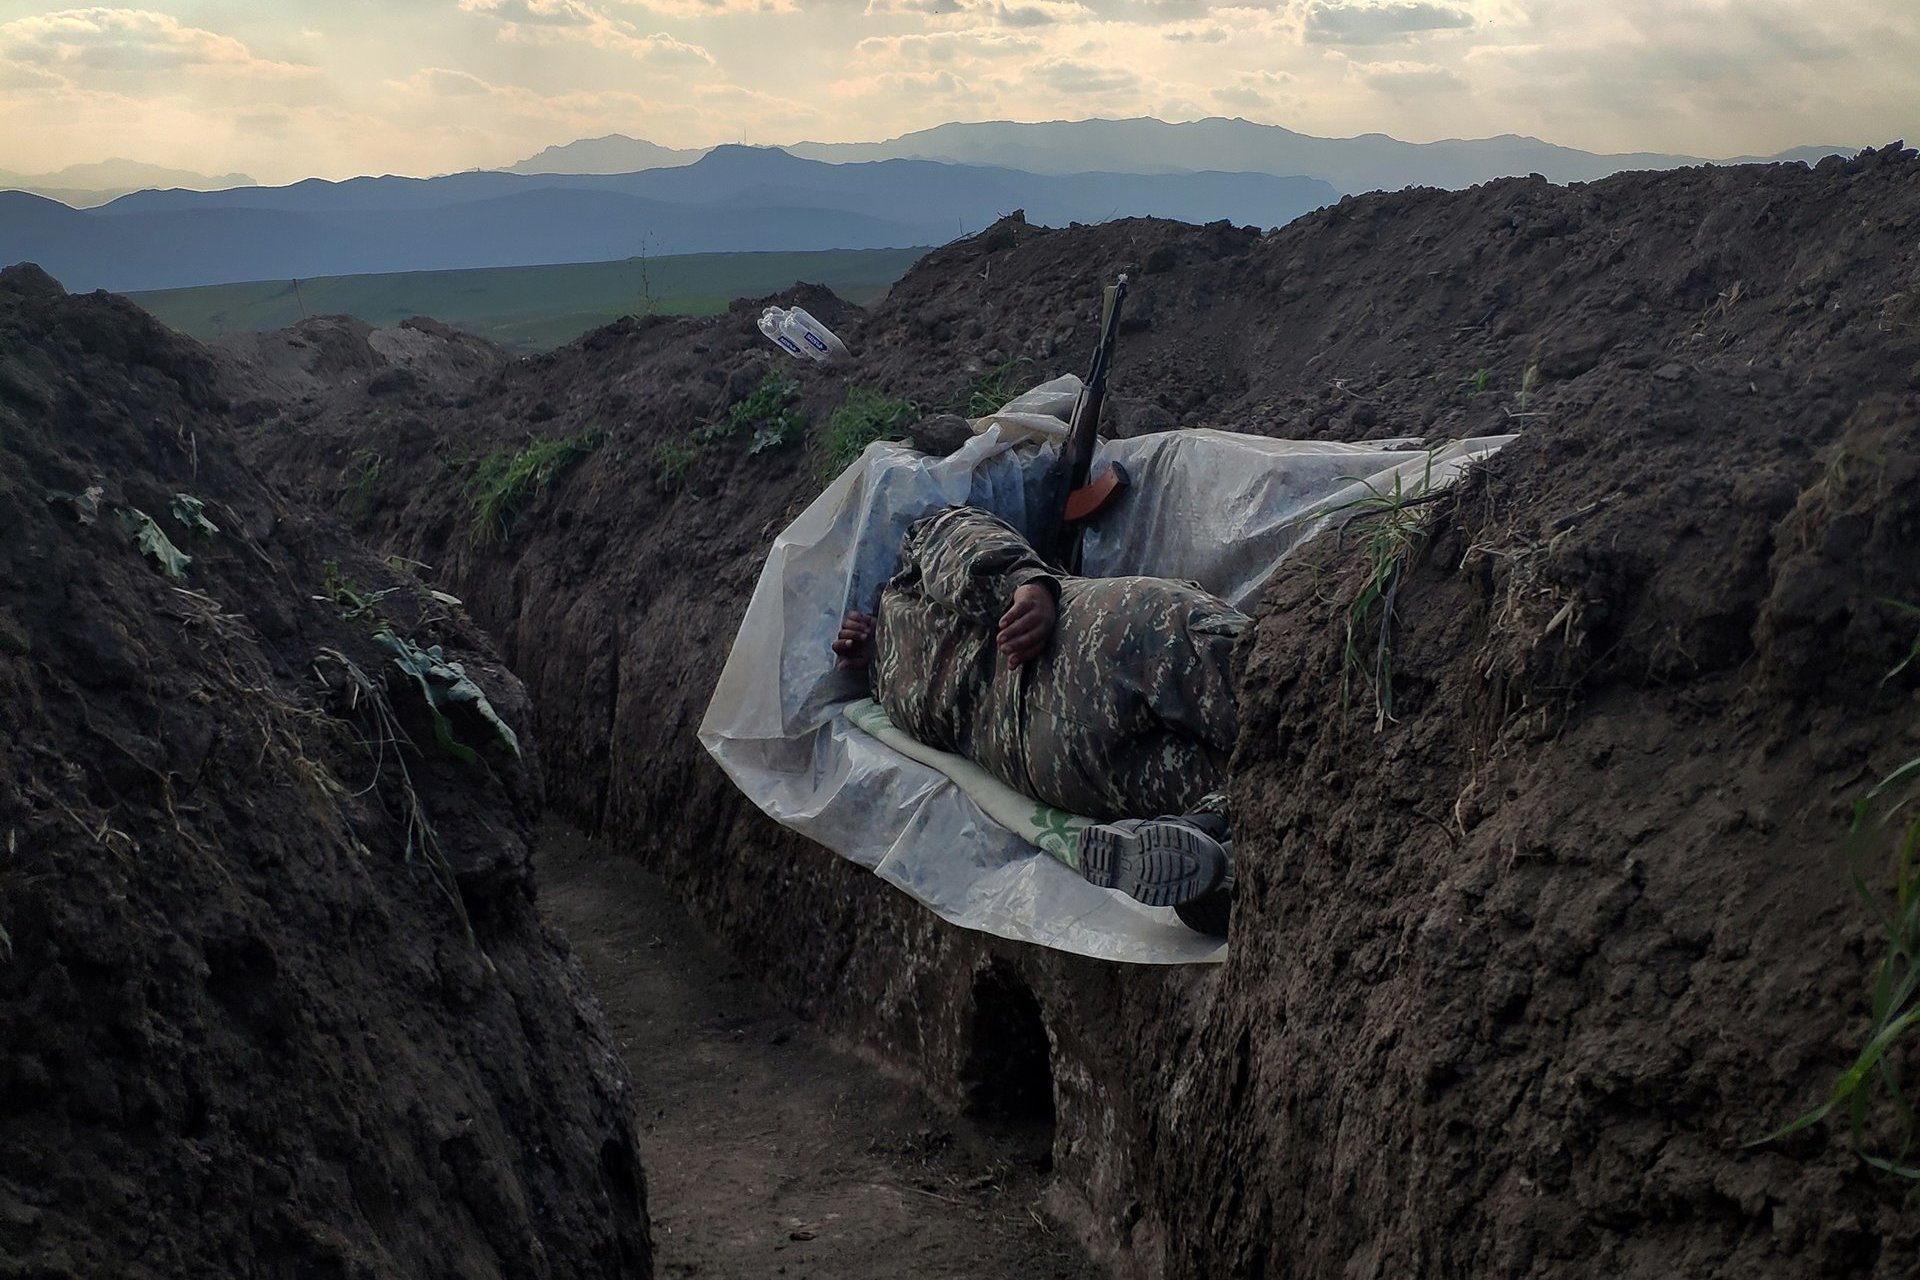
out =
column 1163, row 862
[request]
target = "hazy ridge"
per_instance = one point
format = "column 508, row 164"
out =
column 734, row 199
column 1368, row 162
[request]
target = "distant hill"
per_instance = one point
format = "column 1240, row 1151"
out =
column 734, row 199
column 1369, row 162
column 529, row 308
column 615, row 153
column 85, row 185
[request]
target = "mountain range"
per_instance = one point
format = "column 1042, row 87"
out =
column 615, row 197
column 1369, row 162
column 732, row 199
column 86, row 185
column 614, row 153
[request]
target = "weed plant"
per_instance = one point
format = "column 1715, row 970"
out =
column 349, row 597
column 987, row 390
column 1886, row 823
column 1476, row 382
column 1392, row 530
column 508, row 480
column 862, row 418
column 767, row 415
column 672, row 462
column 389, row 743
column 360, row 479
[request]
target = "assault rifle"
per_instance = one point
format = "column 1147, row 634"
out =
column 1068, row 501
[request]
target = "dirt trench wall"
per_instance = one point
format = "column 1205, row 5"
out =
column 273, row 997
column 1517, row 968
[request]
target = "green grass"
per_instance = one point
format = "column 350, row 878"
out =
column 509, row 479
column 766, row 415
column 529, row 308
column 360, row 479
column 862, row 418
column 1886, row 823
column 987, row 390
column 672, row 462
column 348, row 596
column 1391, row 529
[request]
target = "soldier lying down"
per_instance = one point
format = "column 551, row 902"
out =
column 1109, row 697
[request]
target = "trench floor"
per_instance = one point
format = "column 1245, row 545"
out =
column 768, row 1150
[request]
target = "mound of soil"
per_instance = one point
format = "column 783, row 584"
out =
column 1525, row 951
column 273, row 996
column 335, row 355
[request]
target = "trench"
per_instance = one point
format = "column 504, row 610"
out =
column 769, row 1149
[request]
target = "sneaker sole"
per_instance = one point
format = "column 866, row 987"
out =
column 1161, row 864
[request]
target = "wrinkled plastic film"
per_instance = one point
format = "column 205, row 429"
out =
column 1213, row 507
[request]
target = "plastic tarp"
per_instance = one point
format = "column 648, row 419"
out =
column 1213, row 507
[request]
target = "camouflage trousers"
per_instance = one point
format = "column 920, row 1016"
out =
column 1129, row 713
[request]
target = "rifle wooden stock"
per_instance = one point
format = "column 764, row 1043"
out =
column 1058, row 536
column 1097, row 494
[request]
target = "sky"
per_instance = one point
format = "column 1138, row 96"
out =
column 287, row 89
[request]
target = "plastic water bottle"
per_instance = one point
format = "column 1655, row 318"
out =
column 814, row 338
column 772, row 322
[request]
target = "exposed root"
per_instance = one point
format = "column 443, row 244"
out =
column 420, row 836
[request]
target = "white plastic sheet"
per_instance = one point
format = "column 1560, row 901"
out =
column 1214, row 507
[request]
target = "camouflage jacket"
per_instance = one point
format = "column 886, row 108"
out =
column 1130, row 711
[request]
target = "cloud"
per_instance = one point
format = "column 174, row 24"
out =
column 1020, row 13
column 1380, row 23
column 1252, row 91
column 1068, row 76
column 931, row 8
column 709, row 8
column 1243, row 97
column 923, row 47
column 662, row 49
column 1039, row 13
column 444, row 83
column 130, row 41
column 1196, row 35
column 557, row 13
column 1708, row 80
column 918, row 84
column 552, row 22
column 21, row 75
column 1158, row 12
column 1406, row 79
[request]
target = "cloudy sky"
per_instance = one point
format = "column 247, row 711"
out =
column 285, row 89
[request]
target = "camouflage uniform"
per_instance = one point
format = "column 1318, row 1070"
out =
column 1128, row 713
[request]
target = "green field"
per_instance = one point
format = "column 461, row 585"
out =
column 530, row 308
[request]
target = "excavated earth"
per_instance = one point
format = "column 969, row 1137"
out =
column 1517, row 972
column 274, row 999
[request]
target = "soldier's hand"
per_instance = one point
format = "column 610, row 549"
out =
column 854, row 644
column 1027, row 626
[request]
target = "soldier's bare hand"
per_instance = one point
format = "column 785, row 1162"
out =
column 1028, row 625
column 854, row 644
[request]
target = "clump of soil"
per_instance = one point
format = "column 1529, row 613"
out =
column 332, row 355
column 1523, row 954
column 273, row 995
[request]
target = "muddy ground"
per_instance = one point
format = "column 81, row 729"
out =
column 274, row 999
column 1525, row 954
column 770, row 1150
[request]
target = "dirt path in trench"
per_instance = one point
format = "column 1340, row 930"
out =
column 768, row 1152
